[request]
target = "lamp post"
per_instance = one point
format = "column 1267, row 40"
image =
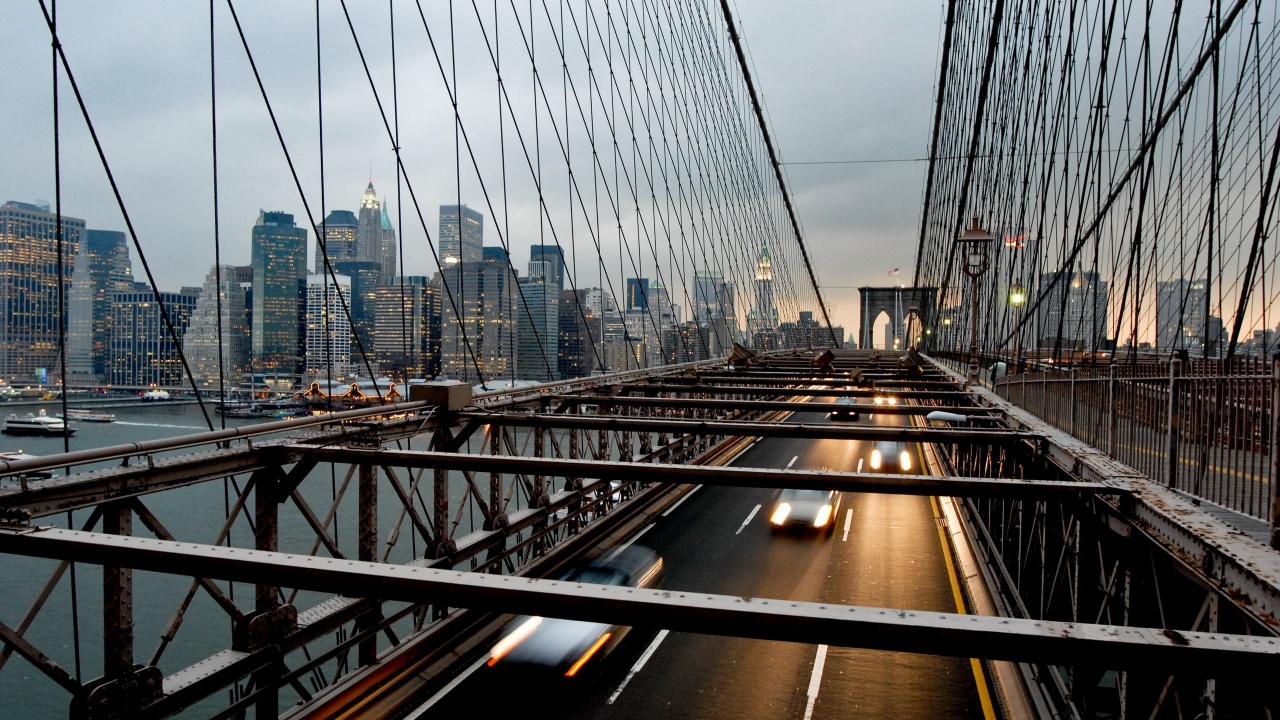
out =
column 973, row 243
column 1017, row 298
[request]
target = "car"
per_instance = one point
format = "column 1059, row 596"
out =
column 884, row 400
column 845, row 409
column 565, row 647
column 805, row 511
column 890, row 456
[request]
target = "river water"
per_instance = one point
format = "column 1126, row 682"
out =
column 193, row 514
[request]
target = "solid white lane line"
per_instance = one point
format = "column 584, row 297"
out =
column 848, row 521
column 793, row 462
column 447, row 689
column 644, row 658
column 681, row 501
column 815, row 680
column 754, row 510
column 859, row 464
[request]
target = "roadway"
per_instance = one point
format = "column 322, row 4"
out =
column 886, row 551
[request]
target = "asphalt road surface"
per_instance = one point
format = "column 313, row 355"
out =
column 885, row 551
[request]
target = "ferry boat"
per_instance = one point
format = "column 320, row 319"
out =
column 90, row 415
column 33, row 424
column 156, row 396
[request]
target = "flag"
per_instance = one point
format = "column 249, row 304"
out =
column 893, row 272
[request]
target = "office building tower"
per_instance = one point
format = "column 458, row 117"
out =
column 404, row 315
column 365, row 277
column 102, row 268
column 538, row 318
column 550, row 254
column 340, row 230
column 220, row 361
column 143, row 353
column 279, row 260
column 637, row 294
column 764, row 316
column 461, row 237
column 389, row 248
column 1182, row 318
column 328, row 344
column 29, row 321
column 1073, row 314
column 478, row 338
column 579, row 331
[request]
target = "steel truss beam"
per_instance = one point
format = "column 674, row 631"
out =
column 730, row 476
column 789, row 391
column 755, row 428
column 766, row 619
column 765, row 405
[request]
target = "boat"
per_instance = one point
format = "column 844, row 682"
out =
column 36, row 424
column 90, row 415
column 155, row 396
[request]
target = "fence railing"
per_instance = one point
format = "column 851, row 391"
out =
column 1202, row 427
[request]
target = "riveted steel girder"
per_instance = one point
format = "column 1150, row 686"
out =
column 768, row 619
column 769, row 405
column 731, row 476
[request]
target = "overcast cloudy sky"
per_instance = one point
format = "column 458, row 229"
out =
column 842, row 81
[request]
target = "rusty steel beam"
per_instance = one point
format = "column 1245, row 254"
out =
column 741, row 428
column 901, row 630
column 729, row 476
column 788, row 391
column 765, row 405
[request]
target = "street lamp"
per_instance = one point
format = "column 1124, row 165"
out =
column 1017, row 298
column 973, row 243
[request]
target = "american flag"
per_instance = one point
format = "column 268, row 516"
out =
column 893, row 272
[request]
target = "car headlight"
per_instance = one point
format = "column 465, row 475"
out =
column 823, row 516
column 893, row 401
column 905, row 460
column 780, row 513
column 875, row 459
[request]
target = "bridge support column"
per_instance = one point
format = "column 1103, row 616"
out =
column 1174, row 422
column 270, row 620
column 367, row 501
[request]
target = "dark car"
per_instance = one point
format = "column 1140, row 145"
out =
column 844, row 409
column 566, row 646
column 805, row 511
column 890, row 456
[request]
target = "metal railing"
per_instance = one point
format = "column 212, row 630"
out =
column 1210, row 436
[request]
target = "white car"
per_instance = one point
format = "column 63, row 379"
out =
column 890, row 456
column 805, row 511
column 566, row 646
column 844, row 408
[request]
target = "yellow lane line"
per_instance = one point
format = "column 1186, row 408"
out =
column 979, row 675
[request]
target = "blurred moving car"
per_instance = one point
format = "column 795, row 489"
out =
column 844, row 409
column 566, row 646
column 805, row 511
column 890, row 455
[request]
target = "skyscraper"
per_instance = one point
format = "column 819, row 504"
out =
column 328, row 353
column 29, row 320
column 484, row 293
column 1073, row 315
column 364, row 278
column 222, row 360
column 102, row 268
column 637, row 293
column 1181, row 306
column 340, row 230
column 387, row 255
column 369, row 227
column 142, row 350
column 765, row 313
column 552, row 255
column 461, row 237
column 279, row 260
column 537, row 314
column 402, row 337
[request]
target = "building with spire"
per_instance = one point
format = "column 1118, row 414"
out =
column 387, row 255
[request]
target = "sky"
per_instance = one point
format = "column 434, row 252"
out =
column 850, row 84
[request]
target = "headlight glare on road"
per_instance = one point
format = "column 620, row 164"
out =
column 517, row 636
column 780, row 513
column 875, row 459
column 905, row 460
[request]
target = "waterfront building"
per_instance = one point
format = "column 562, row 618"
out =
column 404, row 313
column 102, row 268
column 328, row 332
column 279, row 260
column 220, row 360
column 142, row 350
column 30, row 323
